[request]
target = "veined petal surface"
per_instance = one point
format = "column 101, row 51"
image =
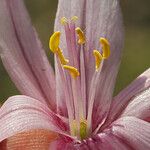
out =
column 139, row 107
column 127, row 96
column 22, row 113
column 105, row 21
column 133, row 131
column 22, row 53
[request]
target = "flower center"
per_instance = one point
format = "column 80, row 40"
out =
column 80, row 117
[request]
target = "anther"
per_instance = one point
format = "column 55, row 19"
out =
column 63, row 21
column 105, row 47
column 73, row 71
column 54, row 42
column 81, row 36
column 54, row 47
column 62, row 58
column 74, row 18
column 98, row 59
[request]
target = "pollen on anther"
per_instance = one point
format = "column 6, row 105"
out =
column 54, row 41
column 98, row 59
column 54, row 47
column 73, row 71
column 81, row 36
column 105, row 47
column 61, row 57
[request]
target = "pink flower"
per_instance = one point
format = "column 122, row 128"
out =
column 73, row 109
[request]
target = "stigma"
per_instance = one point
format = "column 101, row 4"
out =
column 63, row 20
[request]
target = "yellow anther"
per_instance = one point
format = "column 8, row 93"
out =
column 63, row 20
column 73, row 71
column 54, row 41
column 74, row 18
column 81, row 36
column 54, row 47
column 83, row 129
column 105, row 47
column 62, row 58
column 98, row 59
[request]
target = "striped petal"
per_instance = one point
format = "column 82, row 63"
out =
column 22, row 53
column 22, row 113
column 105, row 21
column 134, row 132
column 127, row 96
column 139, row 107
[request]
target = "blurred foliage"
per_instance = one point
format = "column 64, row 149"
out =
column 137, row 39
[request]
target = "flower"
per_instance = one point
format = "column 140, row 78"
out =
column 73, row 109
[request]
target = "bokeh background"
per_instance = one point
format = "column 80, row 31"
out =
column 136, row 54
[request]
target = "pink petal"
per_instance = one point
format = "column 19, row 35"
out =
column 60, row 93
column 133, row 131
column 104, row 19
column 60, row 143
column 22, row 113
column 68, row 9
column 139, row 107
column 102, row 141
column 121, row 101
column 12, row 57
column 22, row 53
column 98, row 19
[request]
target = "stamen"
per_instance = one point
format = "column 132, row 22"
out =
column 74, row 18
column 62, row 58
column 73, row 71
column 98, row 59
column 81, row 36
column 54, row 42
column 83, row 129
column 63, row 21
column 105, row 47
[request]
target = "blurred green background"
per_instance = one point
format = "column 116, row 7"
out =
column 136, row 55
